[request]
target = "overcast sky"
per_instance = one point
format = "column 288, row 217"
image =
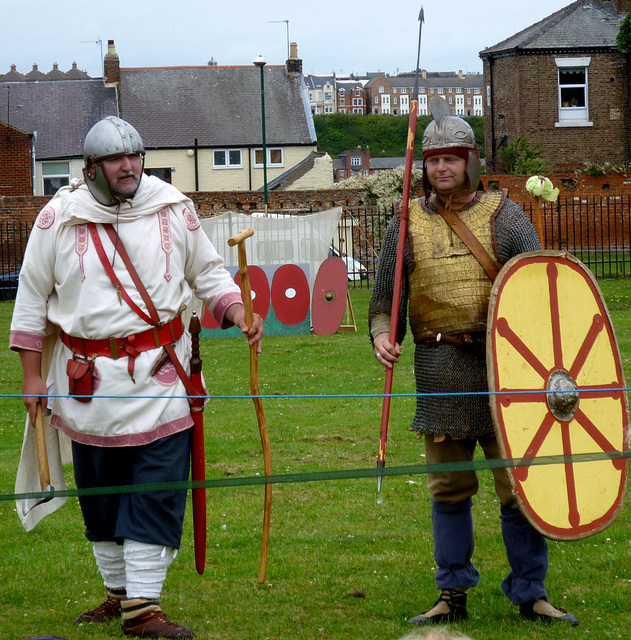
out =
column 332, row 35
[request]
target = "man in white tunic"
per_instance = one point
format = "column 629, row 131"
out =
column 75, row 280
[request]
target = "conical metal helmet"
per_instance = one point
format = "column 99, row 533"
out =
column 108, row 138
column 112, row 136
column 448, row 132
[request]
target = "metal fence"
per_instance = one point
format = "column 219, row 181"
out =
column 13, row 238
column 596, row 230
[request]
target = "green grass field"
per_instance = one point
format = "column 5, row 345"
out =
column 343, row 564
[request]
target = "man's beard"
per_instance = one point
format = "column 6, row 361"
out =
column 128, row 191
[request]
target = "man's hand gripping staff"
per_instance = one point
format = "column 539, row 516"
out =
column 246, row 294
column 388, row 353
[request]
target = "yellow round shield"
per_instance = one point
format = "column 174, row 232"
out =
column 558, row 394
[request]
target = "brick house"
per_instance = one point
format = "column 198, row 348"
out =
column 358, row 161
column 350, row 96
column 15, row 161
column 563, row 83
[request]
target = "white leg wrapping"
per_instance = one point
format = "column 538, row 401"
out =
column 146, row 568
column 111, row 564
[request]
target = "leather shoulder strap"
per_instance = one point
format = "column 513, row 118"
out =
column 154, row 320
column 465, row 234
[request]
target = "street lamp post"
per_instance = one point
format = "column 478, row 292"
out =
column 259, row 61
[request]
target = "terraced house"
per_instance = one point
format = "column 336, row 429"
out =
column 201, row 125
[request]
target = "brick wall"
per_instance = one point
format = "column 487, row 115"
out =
column 570, row 185
column 525, row 90
column 26, row 208
column 15, row 161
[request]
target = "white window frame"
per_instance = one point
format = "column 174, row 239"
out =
column 270, row 151
column 229, row 164
column 63, row 177
column 573, row 116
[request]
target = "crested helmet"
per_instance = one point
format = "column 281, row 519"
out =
column 446, row 134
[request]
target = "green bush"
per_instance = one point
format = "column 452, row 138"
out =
column 624, row 35
column 520, row 158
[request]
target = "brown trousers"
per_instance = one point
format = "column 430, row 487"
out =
column 452, row 487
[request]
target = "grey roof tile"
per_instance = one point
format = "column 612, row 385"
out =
column 61, row 112
column 582, row 24
column 220, row 106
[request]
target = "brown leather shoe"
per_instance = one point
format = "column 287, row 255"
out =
column 107, row 610
column 154, row 624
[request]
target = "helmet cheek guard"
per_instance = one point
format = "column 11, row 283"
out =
column 97, row 183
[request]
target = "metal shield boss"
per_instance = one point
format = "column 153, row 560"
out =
column 328, row 301
column 557, row 394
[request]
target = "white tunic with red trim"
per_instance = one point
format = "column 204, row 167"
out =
column 64, row 284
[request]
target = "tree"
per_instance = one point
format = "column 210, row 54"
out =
column 623, row 39
column 385, row 134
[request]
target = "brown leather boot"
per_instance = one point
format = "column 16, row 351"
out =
column 107, row 610
column 145, row 619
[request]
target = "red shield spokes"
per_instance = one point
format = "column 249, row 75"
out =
column 554, row 365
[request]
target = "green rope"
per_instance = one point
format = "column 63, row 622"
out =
column 318, row 476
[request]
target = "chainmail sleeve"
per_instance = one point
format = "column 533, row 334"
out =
column 513, row 232
column 380, row 307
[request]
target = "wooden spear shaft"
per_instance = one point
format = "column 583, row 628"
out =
column 398, row 275
column 246, row 294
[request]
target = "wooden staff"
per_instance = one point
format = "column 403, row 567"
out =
column 246, row 294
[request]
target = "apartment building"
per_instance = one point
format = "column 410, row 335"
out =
column 394, row 94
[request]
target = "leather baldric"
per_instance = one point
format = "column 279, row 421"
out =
column 153, row 318
column 464, row 233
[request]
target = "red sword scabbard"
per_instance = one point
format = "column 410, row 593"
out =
column 198, row 453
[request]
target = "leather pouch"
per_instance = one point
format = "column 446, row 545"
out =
column 80, row 381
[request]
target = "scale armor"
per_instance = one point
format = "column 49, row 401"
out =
column 447, row 369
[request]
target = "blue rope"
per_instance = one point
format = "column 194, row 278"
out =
column 325, row 396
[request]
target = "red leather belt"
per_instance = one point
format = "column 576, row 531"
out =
column 132, row 345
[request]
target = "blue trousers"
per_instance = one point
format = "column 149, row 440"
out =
column 452, row 523
column 152, row 517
